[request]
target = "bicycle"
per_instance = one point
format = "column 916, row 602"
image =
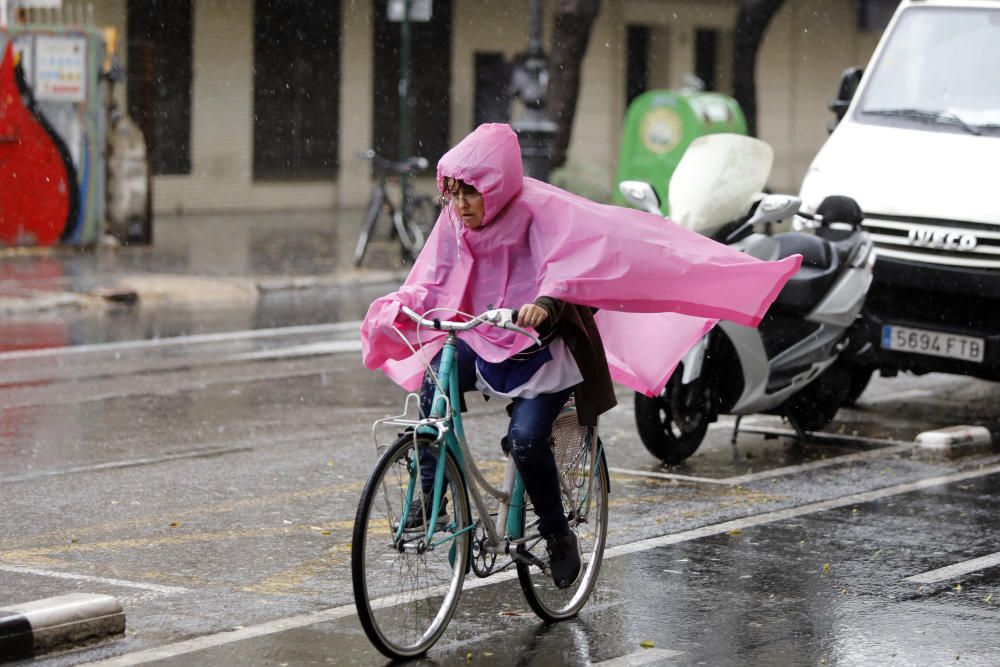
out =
column 407, row 579
column 414, row 216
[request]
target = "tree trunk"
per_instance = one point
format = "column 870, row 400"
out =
column 570, row 36
column 751, row 24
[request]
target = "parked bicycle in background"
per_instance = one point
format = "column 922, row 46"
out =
column 412, row 214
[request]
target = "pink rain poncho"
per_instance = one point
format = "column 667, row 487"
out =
column 659, row 286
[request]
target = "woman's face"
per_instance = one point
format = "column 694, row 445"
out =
column 467, row 203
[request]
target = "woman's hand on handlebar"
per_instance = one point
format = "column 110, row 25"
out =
column 531, row 315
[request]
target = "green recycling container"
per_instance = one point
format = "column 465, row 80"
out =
column 661, row 124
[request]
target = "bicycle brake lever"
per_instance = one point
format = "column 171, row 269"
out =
column 501, row 317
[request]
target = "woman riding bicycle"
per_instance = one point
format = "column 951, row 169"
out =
column 505, row 240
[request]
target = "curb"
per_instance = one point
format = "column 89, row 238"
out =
column 43, row 302
column 175, row 289
column 42, row 624
column 958, row 440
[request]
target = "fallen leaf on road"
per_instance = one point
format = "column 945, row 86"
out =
column 645, row 643
column 826, row 567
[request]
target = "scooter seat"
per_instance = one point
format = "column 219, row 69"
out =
column 821, row 262
column 816, row 252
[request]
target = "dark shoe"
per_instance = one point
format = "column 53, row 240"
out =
column 564, row 559
column 416, row 520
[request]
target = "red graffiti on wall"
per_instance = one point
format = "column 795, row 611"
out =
column 36, row 186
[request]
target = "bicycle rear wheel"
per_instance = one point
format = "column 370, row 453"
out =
column 415, row 225
column 368, row 226
column 406, row 591
column 585, row 501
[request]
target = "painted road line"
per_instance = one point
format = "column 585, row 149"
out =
column 194, row 339
column 956, row 570
column 795, row 512
column 643, row 657
column 667, row 475
column 769, row 474
column 899, row 396
column 821, row 463
column 819, row 436
column 303, row 620
column 129, row 463
column 72, row 576
column 308, row 350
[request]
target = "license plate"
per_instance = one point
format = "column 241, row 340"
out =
column 935, row 343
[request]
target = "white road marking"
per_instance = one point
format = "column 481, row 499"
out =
column 668, row 475
column 795, row 512
column 899, row 396
column 309, row 349
column 194, row 339
column 128, row 463
column 303, row 620
column 821, row 463
column 956, row 570
column 643, row 657
column 775, row 472
column 155, row 588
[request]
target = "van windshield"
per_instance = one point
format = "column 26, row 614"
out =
column 940, row 70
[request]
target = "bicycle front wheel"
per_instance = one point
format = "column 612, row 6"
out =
column 406, row 588
column 368, row 226
column 585, row 501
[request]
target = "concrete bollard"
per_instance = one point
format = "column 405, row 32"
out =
column 35, row 626
column 955, row 441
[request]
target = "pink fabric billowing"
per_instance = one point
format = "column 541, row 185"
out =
column 659, row 286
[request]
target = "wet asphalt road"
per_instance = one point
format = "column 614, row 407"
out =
column 210, row 481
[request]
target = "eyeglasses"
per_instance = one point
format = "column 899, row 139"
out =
column 453, row 197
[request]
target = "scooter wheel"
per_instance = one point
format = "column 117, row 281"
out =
column 673, row 424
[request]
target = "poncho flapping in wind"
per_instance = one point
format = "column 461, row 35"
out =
column 658, row 286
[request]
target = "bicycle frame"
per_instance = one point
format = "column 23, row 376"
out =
column 445, row 425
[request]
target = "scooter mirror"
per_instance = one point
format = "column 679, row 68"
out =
column 641, row 195
column 772, row 208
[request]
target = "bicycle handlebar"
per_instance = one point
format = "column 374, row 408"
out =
column 505, row 318
column 408, row 166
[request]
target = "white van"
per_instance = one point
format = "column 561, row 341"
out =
column 918, row 147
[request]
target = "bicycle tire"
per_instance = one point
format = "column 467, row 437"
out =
column 397, row 592
column 372, row 212
column 554, row 604
column 415, row 225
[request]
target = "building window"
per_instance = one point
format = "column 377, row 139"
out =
column 159, row 79
column 636, row 62
column 430, row 89
column 492, row 95
column 706, row 57
column 874, row 15
column 296, row 89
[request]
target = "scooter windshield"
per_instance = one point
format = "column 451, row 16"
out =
column 717, row 180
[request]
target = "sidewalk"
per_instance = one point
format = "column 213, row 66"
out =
column 200, row 259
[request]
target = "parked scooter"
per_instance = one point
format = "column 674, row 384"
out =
column 798, row 362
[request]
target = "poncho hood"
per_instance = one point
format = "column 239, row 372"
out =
column 659, row 286
column 489, row 160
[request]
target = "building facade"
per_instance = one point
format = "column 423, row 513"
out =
column 265, row 104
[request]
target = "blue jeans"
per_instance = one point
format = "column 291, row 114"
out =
column 528, row 434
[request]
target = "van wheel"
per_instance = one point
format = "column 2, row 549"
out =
column 673, row 424
column 817, row 404
column 860, row 377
